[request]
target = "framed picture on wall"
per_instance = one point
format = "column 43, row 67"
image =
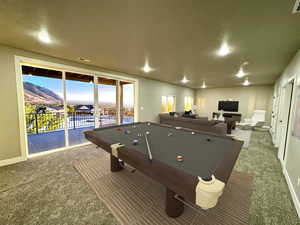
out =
column 296, row 128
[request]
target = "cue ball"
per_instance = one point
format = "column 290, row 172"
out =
column 193, row 132
column 135, row 142
column 179, row 158
column 148, row 124
column 147, row 132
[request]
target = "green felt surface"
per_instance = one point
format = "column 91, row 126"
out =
column 202, row 153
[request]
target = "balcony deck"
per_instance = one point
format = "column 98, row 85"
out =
column 55, row 139
column 44, row 141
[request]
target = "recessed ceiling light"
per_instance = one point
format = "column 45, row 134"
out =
column 84, row 59
column 184, row 80
column 246, row 63
column 241, row 73
column 203, row 85
column 147, row 68
column 224, row 49
column 246, row 82
column 44, row 37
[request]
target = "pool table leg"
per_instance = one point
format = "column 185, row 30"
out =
column 115, row 165
column 174, row 207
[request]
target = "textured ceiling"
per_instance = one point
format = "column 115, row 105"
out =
column 178, row 37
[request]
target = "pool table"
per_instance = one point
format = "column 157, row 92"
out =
column 193, row 166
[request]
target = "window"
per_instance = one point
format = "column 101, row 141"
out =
column 188, row 102
column 168, row 103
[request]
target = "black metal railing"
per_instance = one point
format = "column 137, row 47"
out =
column 43, row 122
column 51, row 121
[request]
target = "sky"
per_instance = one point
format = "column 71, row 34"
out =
column 82, row 92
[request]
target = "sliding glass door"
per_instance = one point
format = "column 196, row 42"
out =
column 80, row 106
column 44, row 109
column 107, row 101
column 61, row 105
column 127, row 102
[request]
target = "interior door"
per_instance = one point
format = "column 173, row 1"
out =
column 284, row 119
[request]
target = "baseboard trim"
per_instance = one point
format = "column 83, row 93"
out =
column 7, row 162
column 292, row 190
column 273, row 138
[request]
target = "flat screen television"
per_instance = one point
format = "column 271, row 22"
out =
column 230, row 106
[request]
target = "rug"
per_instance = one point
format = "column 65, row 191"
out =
column 135, row 199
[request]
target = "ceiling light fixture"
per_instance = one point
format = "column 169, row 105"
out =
column 147, row 68
column 203, row 85
column 246, row 82
column 224, row 49
column 184, row 80
column 44, row 37
column 241, row 73
column 246, row 63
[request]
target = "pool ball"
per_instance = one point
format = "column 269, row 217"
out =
column 193, row 132
column 148, row 124
column 179, row 158
column 127, row 131
column 170, row 134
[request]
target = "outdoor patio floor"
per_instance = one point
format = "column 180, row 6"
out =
column 46, row 141
column 55, row 139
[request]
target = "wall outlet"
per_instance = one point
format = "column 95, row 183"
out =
column 298, row 183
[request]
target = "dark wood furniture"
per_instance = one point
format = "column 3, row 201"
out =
column 206, row 156
column 235, row 116
column 230, row 119
column 230, row 124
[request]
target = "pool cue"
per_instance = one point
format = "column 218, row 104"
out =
column 148, row 148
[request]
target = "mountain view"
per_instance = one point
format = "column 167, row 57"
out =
column 35, row 94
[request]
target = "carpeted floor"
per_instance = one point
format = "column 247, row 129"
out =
column 136, row 199
column 48, row 190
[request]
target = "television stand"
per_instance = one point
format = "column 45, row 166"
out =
column 234, row 116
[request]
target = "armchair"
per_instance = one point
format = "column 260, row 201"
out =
column 257, row 120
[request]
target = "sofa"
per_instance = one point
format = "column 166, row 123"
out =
column 198, row 123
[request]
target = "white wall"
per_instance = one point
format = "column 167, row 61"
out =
column 250, row 98
column 291, row 164
column 149, row 97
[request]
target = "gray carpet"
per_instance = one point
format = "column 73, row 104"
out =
column 48, row 190
column 136, row 199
